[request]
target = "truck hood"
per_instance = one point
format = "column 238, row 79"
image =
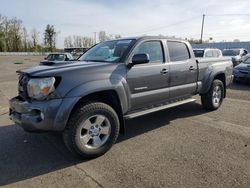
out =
column 243, row 66
column 63, row 66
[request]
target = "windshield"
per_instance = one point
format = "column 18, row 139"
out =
column 109, row 51
column 198, row 53
column 247, row 61
column 56, row 57
column 70, row 56
column 230, row 52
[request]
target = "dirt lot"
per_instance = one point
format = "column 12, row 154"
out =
column 184, row 146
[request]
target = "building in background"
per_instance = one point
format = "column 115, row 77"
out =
column 224, row 45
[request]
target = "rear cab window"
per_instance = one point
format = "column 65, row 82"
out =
column 209, row 53
column 216, row 53
column 198, row 53
column 178, row 51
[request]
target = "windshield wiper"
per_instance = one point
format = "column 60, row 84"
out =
column 93, row 60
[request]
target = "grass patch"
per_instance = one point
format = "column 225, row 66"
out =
column 18, row 62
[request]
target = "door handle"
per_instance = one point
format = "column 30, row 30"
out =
column 164, row 71
column 191, row 68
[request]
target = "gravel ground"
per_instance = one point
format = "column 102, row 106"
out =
column 184, row 146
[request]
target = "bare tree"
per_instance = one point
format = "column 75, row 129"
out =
column 68, row 42
column 6, row 29
column 77, row 41
column 15, row 34
column 2, row 43
column 34, row 34
column 102, row 36
column 87, row 42
column 25, row 39
column 12, row 34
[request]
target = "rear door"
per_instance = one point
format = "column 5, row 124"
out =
column 182, row 69
column 148, row 83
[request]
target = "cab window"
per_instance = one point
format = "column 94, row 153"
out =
column 216, row 53
column 178, row 51
column 247, row 61
column 209, row 53
column 153, row 49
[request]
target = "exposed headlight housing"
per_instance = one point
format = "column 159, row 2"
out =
column 235, row 71
column 40, row 88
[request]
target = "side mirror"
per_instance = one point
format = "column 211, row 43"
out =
column 140, row 59
column 66, row 59
column 45, row 58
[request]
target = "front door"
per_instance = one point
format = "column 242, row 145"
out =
column 148, row 83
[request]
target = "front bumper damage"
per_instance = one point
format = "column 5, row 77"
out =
column 50, row 115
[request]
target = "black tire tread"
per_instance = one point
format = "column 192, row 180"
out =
column 75, row 120
column 206, row 99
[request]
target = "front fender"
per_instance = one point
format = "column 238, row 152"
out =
column 119, row 86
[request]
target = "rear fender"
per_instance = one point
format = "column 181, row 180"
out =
column 208, row 80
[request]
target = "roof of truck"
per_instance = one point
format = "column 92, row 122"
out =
column 150, row 37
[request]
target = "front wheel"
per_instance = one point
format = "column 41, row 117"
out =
column 92, row 130
column 214, row 97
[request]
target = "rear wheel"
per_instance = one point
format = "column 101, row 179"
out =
column 92, row 130
column 214, row 97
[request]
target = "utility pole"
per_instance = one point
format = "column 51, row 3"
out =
column 202, row 27
column 95, row 37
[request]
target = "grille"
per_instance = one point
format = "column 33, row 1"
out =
column 22, row 86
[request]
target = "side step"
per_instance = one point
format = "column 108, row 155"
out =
column 151, row 110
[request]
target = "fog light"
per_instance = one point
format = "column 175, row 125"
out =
column 42, row 116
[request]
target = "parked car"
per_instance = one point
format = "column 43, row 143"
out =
column 54, row 58
column 115, row 80
column 207, row 53
column 242, row 71
column 237, row 54
column 76, row 51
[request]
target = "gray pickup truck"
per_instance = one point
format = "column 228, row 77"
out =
column 89, row 100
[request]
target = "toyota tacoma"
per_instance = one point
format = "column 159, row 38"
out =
column 89, row 100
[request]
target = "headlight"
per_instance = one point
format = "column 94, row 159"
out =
column 40, row 88
column 235, row 71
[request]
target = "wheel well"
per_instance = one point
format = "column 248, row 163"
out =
column 109, row 97
column 222, row 78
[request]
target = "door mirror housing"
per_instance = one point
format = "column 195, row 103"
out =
column 140, row 59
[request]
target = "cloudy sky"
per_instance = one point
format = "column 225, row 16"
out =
column 225, row 19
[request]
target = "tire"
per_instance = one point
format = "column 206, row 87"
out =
column 214, row 97
column 91, row 130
